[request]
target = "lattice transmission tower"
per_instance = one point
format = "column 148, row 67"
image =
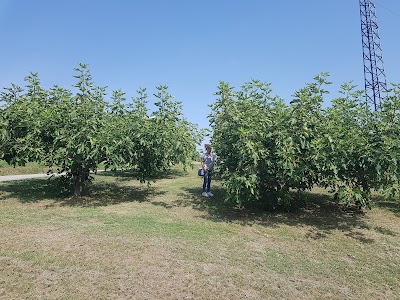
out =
column 374, row 74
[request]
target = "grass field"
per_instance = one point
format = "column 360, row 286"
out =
column 30, row 168
column 124, row 240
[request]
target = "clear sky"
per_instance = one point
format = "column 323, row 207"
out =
column 192, row 45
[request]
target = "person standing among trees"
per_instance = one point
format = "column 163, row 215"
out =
column 208, row 160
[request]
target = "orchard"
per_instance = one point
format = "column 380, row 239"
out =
column 271, row 151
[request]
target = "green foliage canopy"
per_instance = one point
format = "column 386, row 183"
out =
column 272, row 151
column 74, row 133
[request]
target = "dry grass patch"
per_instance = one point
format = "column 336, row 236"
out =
column 124, row 240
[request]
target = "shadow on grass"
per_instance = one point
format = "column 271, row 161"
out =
column 30, row 190
column 127, row 175
column 95, row 194
column 106, row 193
column 389, row 205
column 321, row 215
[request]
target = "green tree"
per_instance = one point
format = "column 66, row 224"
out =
column 72, row 128
column 388, row 167
column 271, row 149
column 149, row 143
column 19, row 122
column 352, row 147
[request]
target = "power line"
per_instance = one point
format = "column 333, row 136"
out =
column 393, row 12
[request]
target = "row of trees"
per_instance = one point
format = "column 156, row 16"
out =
column 73, row 133
column 272, row 151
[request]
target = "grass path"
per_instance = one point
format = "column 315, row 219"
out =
column 124, row 240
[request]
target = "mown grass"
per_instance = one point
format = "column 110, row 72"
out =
column 29, row 168
column 124, row 240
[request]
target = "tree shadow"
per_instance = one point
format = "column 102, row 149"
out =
column 31, row 190
column 321, row 215
column 105, row 194
column 127, row 175
column 95, row 194
column 390, row 205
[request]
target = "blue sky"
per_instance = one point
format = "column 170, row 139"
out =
column 192, row 45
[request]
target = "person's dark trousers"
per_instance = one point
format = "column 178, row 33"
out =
column 207, row 181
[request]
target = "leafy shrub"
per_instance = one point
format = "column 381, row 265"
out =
column 271, row 149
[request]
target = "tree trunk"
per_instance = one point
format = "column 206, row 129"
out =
column 82, row 176
column 78, row 185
